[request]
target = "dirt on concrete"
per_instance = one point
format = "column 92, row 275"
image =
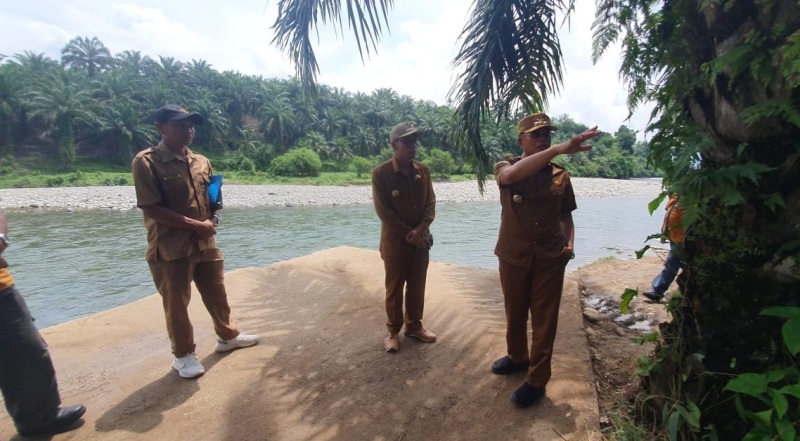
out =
column 320, row 371
column 614, row 337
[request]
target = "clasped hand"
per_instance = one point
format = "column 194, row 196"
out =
column 206, row 229
column 413, row 237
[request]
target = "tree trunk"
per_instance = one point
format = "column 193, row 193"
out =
column 736, row 260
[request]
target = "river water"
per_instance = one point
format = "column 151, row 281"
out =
column 71, row 264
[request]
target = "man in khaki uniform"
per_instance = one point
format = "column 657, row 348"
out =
column 402, row 192
column 534, row 245
column 172, row 190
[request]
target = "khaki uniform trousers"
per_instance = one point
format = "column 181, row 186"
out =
column 536, row 291
column 409, row 271
column 173, row 280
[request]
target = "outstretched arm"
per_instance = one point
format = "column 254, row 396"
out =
column 529, row 165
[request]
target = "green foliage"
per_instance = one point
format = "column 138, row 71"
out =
column 791, row 329
column 770, row 401
column 441, row 163
column 625, row 299
column 245, row 165
column 724, row 79
column 119, row 180
column 361, row 165
column 680, row 415
column 298, row 162
column 263, row 156
column 7, row 165
column 98, row 106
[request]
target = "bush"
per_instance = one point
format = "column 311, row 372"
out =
column 58, row 181
column 361, row 165
column 118, row 180
column 300, row 162
column 441, row 163
column 7, row 166
column 263, row 157
column 245, row 165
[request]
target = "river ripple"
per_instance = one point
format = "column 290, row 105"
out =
column 71, row 264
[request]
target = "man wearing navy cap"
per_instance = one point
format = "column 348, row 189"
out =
column 172, row 190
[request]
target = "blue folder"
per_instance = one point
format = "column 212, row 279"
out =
column 213, row 189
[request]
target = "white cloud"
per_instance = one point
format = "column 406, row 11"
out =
column 413, row 60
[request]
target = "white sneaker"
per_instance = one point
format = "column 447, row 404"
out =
column 240, row 341
column 188, row 366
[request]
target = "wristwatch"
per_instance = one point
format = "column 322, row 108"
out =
column 4, row 238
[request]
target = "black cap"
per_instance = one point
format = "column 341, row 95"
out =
column 174, row 112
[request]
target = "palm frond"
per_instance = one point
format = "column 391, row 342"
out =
column 296, row 19
column 510, row 59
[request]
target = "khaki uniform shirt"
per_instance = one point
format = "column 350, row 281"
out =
column 403, row 203
column 530, row 223
column 162, row 179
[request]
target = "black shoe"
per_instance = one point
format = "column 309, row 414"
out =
column 65, row 418
column 505, row 366
column 653, row 296
column 527, row 395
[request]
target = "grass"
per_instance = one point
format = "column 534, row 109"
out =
column 32, row 172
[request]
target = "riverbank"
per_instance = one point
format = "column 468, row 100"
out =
column 320, row 371
column 124, row 198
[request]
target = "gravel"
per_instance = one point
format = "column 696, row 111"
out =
column 124, row 198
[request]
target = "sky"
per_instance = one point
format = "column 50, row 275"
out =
column 413, row 59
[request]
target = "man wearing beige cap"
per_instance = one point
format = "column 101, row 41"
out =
column 534, row 245
column 172, row 184
column 402, row 192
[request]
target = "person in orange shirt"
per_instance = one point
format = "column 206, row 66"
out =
column 672, row 228
column 534, row 245
column 27, row 378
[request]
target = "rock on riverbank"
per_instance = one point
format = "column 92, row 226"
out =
column 124, row 198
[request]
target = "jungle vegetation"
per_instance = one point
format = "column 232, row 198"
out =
column 725, row 77
column 92, row 110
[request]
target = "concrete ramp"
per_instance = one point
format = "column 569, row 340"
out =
column 320, row 371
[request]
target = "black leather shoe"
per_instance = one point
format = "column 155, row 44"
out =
column 505, row 366
column 65, row 418
column 527, row 395
column 653, row 296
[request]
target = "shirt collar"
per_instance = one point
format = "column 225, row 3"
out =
column 396, row 167
column 168, row 155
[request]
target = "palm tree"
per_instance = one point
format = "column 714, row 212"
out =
column 134, row 63
column 114, row 85
column 364, row 142
column 340, row 149
column 200, row 74
column 169, row 69
column 88, row 55
column 278, row 120
column 60, row 104
column 217, row 126
column 128, row 131
column 724, row 77
column 250, row 143
column 10, row 87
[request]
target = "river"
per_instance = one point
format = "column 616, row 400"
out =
column 69, row 264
